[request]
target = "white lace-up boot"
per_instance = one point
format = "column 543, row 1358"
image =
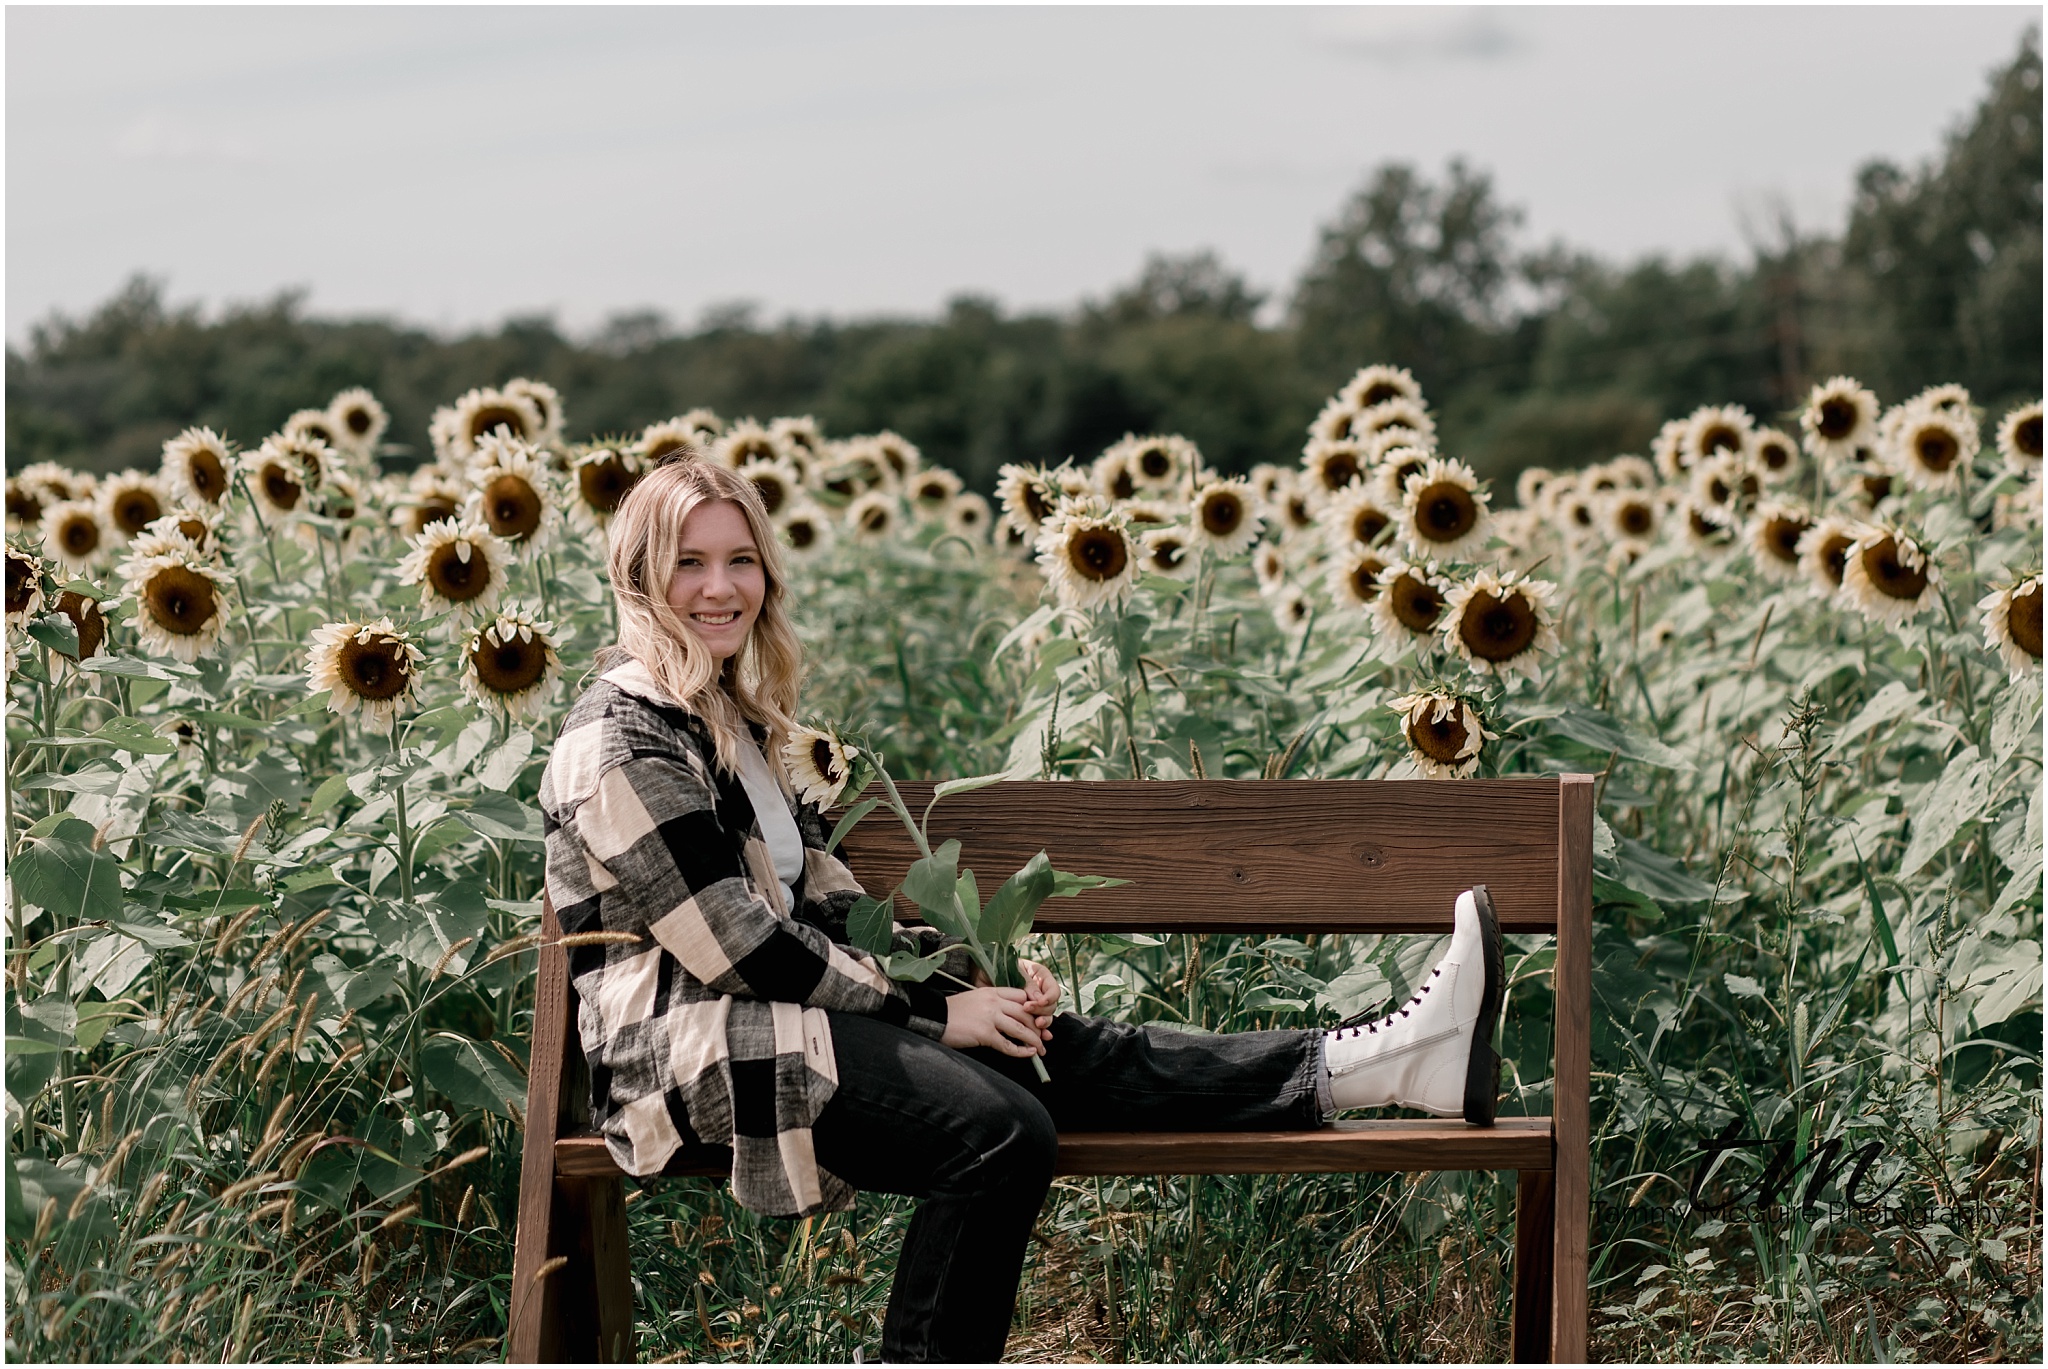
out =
column 1435, row 1054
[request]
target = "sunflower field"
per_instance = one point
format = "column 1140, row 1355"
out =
column 276, row 718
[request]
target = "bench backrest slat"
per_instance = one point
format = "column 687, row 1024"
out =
column 1249, row 855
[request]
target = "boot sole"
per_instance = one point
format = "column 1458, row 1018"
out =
column 1482, row 1070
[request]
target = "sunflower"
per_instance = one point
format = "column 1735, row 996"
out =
column 1411, row 601
column 359, row 420
column 1520, row 531
column 1669, row 451
column 1405, row 414
column 1706, row 528
column 339, row 499
column 2012, row 624
column 479, row 413
column 24, row 505
column 1445, row 733
column 314, row 425
column 932, row 492
column 1775, row 531
column 181, row 602
column 1023, row 492
column 368, row 665
column 1577, row 513
column 1725, row 481
column 1354, row 519
column 1840, row 416
column 858, row 469
column 1824, row 553
column 1716, row 428
column 1501, row 623
column 2019, row 439
column 1168, row 552
column 512, row 495
column 1629, row 515
column 1333, row 422
column 430, row 496
column 1088, row 557
column 74, row 535
column 1774, row 454
column 1633, row 472
column 1623, row 553
column 509, row 663
column 602, row 478
column 898, row 453
column 1223, row 519
column 86, row 620
column 130, row 502
column 24, row 587
column 1949, row 399
column 743, row 443
column 456, row 566
column 806, row 528
column 1530, row 483
column 819, row 764
column 1110, row 474
column 1269, row 567
column 1267, row 480
column 1295, row 511
column 2020, row 508
column 658, row 442
column 1443, row 510
column 1153, row 511
column 872, row 517
column 969, row 516
column 1162, row 463
column 546, row 402
column 198, row 467
column 1290, row 607
column 277, row 479
column 54, row 483
column 1887, row 575
column 1354, row 577
column 704, row 423
column 1597, row 479
column 1934, row 448
column 1377, row 385
column 1396, row 466
column 1329, row 464
column 802, row 435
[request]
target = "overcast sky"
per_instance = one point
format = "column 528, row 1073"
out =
column 452, row 166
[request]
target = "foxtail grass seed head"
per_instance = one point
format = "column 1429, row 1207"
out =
column 367, row 666
column 2011, row 618
column 1445, row 733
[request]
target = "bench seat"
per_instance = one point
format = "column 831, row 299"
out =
column 1383, row 1145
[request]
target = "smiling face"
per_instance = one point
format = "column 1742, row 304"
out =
column 719, row 583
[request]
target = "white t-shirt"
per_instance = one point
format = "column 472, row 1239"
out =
column 771, row 811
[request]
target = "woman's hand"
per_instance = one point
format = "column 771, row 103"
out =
column 1041, row 995
column 992, row 1017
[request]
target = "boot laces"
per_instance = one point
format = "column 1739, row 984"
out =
column 1351, row 1025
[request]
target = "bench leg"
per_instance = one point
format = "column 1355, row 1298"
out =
column 1535, row 1224
column 580, row 1312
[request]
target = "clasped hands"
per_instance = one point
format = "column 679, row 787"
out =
column 1016, row 1022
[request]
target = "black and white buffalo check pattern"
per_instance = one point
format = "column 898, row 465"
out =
column 710, row 1027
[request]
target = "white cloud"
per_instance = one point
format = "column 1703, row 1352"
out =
column 159, row 137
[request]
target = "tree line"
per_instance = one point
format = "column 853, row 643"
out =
column 1528, row 355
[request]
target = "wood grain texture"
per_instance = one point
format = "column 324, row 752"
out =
column 1573, row 1081
column 1378, row 1144
column 611, row 1271
column 1250, row 855
column 1535, row 1229
column 535, row 1316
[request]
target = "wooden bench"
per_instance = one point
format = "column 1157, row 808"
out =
column 1294, row 856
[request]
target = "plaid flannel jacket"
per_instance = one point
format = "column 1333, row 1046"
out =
column 710, row 1026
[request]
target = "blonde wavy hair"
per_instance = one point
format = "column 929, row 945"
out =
column 760, row 682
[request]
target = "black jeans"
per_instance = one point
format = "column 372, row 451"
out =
column 974, row 1134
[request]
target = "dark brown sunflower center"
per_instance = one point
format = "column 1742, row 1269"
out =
column 1298, row 512
column 1704, row 527
column 1097, row 553
column 1718, row 490
column 774, row 494
column 433, row 509
column 180, row 599
column 315, row 432
column 375, row 670
column 21, row 583
column 667, row 447
column 1889, row 574
column 85, row 616
column 874, row 519
column 753, row 449
column 822, row 759
column 1497, row 628
column 1936, row 449
column 898, row 460
column 1156, row 463
column 193, row 530
column 513, row 508
column 358, row 421
column 1365, row 578
column 280, row 487
column 935, row 491
column 136, row 510
column 802, row 533
column 207, row 476
column 1121, row 485
column 1416, row 603
column 22, row 506
column 492, row 417
column 1034, row 502
column 969, row 515
column 1582, row 514
column 1440, row 739
column 1775, row 455
column 1721, row 437
column 2026, row 436
column 1781, row 538
column 454, row 578
column 1876, row 488
column 1379, row 392
column 1836, row 420
column 1222, row 513
column 511, row 666
column 2023, row 620
column 1444, row 512
column 80, row 535
column 1339, row 469
column 1167, row 554
column 1834, row 557
column 604, row 484
column 1636, row 519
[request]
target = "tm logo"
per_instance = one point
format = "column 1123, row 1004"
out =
column 1827, row 1160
